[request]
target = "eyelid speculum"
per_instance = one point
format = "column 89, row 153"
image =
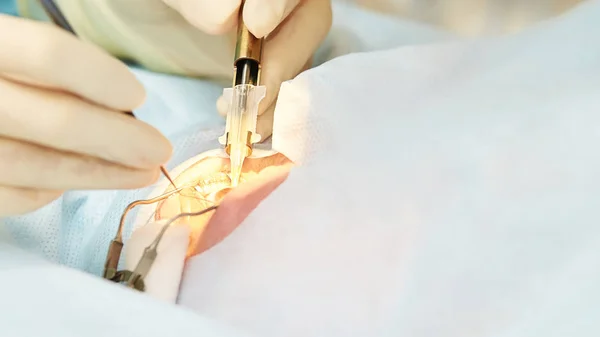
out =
column 212, row 183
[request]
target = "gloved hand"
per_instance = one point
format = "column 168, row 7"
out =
column 197, row 37
column 294, row 29
column 61, row 125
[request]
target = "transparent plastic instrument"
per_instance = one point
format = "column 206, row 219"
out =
column 240, row 130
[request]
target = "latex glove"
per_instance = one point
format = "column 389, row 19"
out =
column 197, row 37
column 61, row 125
column 294, row 29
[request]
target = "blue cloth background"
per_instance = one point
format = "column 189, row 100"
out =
column 8, row 7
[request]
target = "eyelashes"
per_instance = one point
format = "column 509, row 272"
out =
column 206, row 185
column 212, row 183
column 204, row 192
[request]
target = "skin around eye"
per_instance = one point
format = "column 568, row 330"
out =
column 211, row 185
column 237, row 205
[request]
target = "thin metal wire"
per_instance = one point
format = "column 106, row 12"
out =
column 143, row 202
column 177, row 217
column 116, row 245
column 150, row 252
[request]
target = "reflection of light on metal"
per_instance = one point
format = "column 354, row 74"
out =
column 197, row 197
column 116, row 245
column 135, row 278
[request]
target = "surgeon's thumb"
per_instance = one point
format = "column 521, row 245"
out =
column 288, row 52
column 263, row 16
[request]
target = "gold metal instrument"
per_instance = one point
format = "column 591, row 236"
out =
column 244, row 97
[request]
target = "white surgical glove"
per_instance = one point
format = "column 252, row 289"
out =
column 61, row 120
column 197, row 37
column 293, row 29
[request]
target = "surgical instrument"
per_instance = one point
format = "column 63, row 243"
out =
column 59, row 19
column 135, row 279
column 244, row 97
column 116, row 245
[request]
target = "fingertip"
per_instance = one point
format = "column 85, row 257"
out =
column 156, row 175
column 138, row 95
column 222, row 106
column 264, row 126
column 148, row 149
column 263, row 16
column 126, row 92
column 166, row 149
column 163, row 150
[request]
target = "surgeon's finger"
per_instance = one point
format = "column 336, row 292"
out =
column 211, row 16
column 263, row 16
column 264, row 125
column 33, row 166
column 41, row 54
column 64, row 122
column 222, row 106
column 287, row 52
column 265, row 121
column 17, row 201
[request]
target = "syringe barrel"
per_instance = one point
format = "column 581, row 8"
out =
column 242, row 115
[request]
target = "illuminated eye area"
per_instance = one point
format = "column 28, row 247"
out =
column 207, row 184
column 207, row 191
column 213, row 183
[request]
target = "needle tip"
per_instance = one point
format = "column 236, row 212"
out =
column 236, row 163
column 166, row 174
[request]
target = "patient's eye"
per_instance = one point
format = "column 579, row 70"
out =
column 213, row 183
column 208, row 182
column 204, row 191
